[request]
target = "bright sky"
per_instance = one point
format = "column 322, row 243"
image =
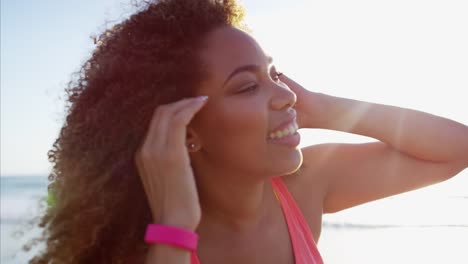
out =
column 409, row 53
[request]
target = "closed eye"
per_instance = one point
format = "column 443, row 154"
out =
column 249, row 88
column 274, row 74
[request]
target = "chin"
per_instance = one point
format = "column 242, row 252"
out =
column 289, row 165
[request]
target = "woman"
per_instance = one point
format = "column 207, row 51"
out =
column 179, row 119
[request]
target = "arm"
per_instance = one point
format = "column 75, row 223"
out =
column 163, row 165
column 162, row 253
column 166, row 254
column 415, row 149
column 417, row 134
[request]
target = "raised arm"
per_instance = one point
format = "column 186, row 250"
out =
column 415, row 149
column 163, row 165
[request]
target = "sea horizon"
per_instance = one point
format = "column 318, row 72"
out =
column 34, row 186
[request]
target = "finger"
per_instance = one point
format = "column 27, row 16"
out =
column 290, row 83
column 164, row 126
column 157, row 132
column 153, row 134
column 180, row 121
column 155, row 140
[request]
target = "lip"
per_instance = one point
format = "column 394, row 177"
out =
column 288, row 141
column 284, row 124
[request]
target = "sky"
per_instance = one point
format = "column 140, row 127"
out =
column 408, row 53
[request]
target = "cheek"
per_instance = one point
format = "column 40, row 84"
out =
column 236, row 138
column 243, row 126
column 235, row 132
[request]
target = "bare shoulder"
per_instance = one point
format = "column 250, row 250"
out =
column 311, row 175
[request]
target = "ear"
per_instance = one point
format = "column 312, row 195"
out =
column 192, row 140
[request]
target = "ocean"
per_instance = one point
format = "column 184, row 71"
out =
column 427, row 226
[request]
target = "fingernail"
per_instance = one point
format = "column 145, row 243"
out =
column 202, row 98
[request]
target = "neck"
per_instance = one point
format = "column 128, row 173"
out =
column 232, row 202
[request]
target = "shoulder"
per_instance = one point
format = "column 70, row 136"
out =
column 310, row 183
column 311, row 176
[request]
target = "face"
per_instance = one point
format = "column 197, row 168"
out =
column 238, row 127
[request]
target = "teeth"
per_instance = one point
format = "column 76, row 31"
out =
column 279, row 134
column 291, row 129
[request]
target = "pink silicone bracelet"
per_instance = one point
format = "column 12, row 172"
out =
column 172, row 236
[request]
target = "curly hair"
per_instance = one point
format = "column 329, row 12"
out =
column 100, row 211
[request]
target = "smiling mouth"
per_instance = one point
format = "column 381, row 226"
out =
column 281, row 133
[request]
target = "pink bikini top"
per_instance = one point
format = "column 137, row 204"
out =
column 305, row 249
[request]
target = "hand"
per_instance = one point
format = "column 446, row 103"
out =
column 164, row 165
column 307, row 105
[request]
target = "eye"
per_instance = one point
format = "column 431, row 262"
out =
column 249, row 88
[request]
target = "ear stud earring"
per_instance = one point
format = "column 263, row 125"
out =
column 191, row 146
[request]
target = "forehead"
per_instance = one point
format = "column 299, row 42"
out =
column 228, row 48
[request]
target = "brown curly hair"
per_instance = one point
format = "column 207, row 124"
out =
column 100, row 211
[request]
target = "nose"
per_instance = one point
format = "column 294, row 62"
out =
column 283, row 97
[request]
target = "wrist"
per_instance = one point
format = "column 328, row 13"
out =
column 316, row 111
column 327, row 111
column 188, row 221
column 171, row 235
column 341, row 114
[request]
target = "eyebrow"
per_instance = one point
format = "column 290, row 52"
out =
column 250, row 68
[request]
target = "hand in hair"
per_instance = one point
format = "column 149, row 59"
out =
column 164, row 165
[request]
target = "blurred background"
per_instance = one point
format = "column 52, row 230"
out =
column 408, row 53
